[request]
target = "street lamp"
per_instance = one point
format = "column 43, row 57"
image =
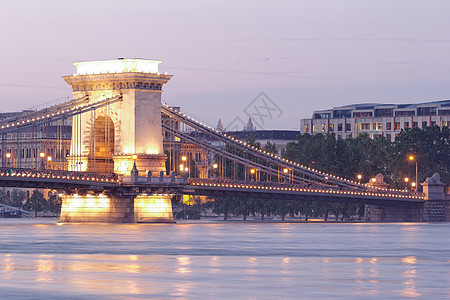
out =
column 42, row 155
column 181, row 167
column 8, row 156
column 412, row 158
column 286, row 171
column 215, row 167
column 413, row 184
column 183, row 158
column 406, row 183
column 252, row 172
column 359, row 176
column 49, row 160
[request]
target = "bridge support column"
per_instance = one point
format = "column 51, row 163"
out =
column 116, row 209
column 437, row 205
column 391, row 213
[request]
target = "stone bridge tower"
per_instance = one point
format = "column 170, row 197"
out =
column 111, row 138
column 106, row 139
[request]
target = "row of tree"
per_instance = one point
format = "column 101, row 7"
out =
column 36, row 202
column 256, row 207
column 368, row 157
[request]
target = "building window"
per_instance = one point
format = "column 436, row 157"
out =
column 322, row 127
column 388, row 136
column 314, row 127
column 405, row 113
column 406, row 125
column 322, row 116
column 397, row 126
column 379, row 126
column 424, row 124
column 388, row 126
column 365, row 126
column 306, row 128
column 444, row 112
column 384, row 112
column 342, row 113
column 433, row 123
column 339, row 127
column 362, row 114
column 415, row 125
column 426, row 111
column 331, row 127
column 348, row 127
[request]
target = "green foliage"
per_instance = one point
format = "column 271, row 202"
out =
column 431, row 149
column 36, row 202
column 54, row 203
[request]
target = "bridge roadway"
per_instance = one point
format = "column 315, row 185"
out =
column 82, row 182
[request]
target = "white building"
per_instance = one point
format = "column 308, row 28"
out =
column 377, row 119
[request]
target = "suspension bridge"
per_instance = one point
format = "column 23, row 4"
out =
column 127, row 154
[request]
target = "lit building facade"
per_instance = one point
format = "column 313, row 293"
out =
column 37, row 147
column 377, row 120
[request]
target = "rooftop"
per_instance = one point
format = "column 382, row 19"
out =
column 121, row 65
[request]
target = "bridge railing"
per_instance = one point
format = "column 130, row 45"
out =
column 74, row 175
column 304, row 188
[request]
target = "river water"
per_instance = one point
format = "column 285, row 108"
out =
column 40, row 259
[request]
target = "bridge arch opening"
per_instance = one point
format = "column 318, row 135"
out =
column 101, row 148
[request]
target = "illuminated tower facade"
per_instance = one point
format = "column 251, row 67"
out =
column 105, row 139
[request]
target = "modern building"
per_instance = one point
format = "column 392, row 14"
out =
column 377, row 119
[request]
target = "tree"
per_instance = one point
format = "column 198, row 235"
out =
column 54, row 203
column 36, row 202
column 17, row 198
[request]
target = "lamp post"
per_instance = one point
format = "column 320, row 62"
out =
column 49, row 160
column 184, row 160
column 406, row 183
column 359, row 176
column 286, row 171
column 215, row 167
column 8, row 156
column 42, row 155
column 252, row 174
column 412, row 158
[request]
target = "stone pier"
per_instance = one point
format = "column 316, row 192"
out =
column 391, row 212
column 437, row 203
column 116, row 209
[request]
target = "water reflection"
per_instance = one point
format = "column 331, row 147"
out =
column 225, row 261
column 409, row 282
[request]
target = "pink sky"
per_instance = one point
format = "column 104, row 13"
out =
column 305, row 55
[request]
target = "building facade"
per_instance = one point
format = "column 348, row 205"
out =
column 377, row 120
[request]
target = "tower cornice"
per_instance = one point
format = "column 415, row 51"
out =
column 117, row 81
